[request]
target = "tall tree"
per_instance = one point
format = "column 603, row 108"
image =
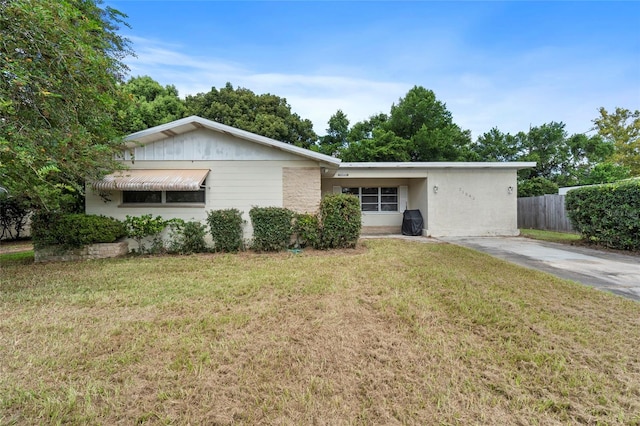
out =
column 267, row 115
column 561, row 160
column 622, row 128
column 546, row 145
column 336, row 137
column 383, row 145
column 417, row 110
column 496, row 146
column 418, row 128
column 60, row 69
column 363, row 130
column 427, row 125
column 149, row 104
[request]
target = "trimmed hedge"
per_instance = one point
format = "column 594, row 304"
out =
column 272, row 228
column 226, row 229
column 607, row 214
column 307, row 230
column 74, row 230
column 340, row 221
column 187, row 237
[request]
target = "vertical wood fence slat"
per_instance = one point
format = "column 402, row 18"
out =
column 545, row 212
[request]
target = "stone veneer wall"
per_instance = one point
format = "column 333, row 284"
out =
column 93, row 251
column 301, row 190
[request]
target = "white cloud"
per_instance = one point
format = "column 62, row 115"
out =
column 313, row 97
column 511, row 93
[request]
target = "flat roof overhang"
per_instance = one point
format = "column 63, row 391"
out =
column 420, row 169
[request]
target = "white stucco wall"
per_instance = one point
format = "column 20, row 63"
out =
column 472, row 202
column 472, row 199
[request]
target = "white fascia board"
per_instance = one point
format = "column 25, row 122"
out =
column 193, row 122
column 441, row 165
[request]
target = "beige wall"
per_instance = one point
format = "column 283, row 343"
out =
column 472, row 202
column 230, row 184
column 301, row 189
column 418, row 196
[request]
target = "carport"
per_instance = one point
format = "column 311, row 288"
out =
column 454, row 198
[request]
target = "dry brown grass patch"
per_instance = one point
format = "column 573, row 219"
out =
column 391, row 333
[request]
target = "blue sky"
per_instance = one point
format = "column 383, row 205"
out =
column 495, row 64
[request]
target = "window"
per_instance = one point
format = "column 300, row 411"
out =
column 163, row 197
column 375, row 199
column 185, row 196
column 141, row 197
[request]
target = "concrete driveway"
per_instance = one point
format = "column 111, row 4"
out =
column 617, row 273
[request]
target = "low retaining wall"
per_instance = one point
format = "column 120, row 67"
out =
column 93, row 251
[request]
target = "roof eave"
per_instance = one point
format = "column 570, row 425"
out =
column 168, row 130
column 440, row 165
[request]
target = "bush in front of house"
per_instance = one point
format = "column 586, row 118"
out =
column 140, row 228
column 272, row 228
column 608, row 215
column 225, row 227
column 74, row 230
column 340, row 221
column 187, row 237
column 306, row 228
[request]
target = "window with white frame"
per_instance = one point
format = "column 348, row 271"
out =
column 380, row 199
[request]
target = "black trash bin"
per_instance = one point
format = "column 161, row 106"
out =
column 412, row 222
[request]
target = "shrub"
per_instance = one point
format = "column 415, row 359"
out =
column 340, row 221
column 607, row 214
column 272, row 228
column 74, row 230
column 226, row 229
column 146, row 226
column 187, row 237
column 14, row 213
column 307, row 230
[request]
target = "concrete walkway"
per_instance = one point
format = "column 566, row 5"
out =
column 616, row 273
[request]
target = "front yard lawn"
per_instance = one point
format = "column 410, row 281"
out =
column 551, row 236
column 394, row 332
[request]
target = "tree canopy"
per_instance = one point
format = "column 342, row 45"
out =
column 148, row 104
column 60, row 69
column 561, row 159
column 337, row 133
column 418, row 128
column 267, row 115
column 64, row 106
column 622, row 129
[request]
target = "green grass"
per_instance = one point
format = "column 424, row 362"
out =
column 396, row 332
column 551, row 236
column 18, row 258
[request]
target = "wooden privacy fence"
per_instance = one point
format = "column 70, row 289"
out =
column 545, row 212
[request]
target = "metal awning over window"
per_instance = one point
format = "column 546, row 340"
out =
column 153, row 180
